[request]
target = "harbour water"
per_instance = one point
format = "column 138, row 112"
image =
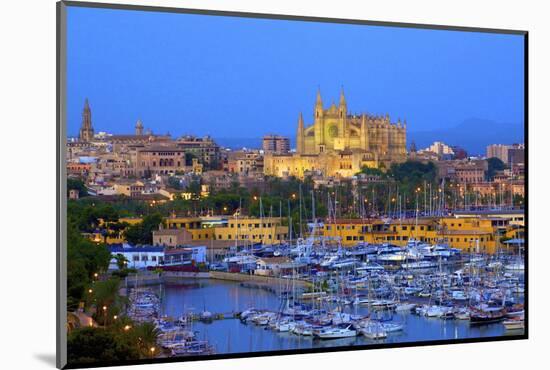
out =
column 230, row 335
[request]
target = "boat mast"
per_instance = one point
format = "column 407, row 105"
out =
column 300, row 207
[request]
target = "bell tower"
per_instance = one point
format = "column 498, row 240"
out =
column 319, row 127
column 86, row 129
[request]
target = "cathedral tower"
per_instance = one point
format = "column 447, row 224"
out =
column 86, row 129
column 342, row 114
column 300, row 135
column 319, row 127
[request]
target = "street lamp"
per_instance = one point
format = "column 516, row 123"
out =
column 152, row 349
column 127, row 327
column 105, row 316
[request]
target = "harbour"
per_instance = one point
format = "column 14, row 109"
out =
column 331, row 304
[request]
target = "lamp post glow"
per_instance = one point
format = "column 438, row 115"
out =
column 105, row 316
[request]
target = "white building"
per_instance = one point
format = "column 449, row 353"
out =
column 185, row 255
column 137, row 257
column 439, row 148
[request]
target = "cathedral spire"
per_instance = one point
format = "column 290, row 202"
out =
column 342, row 97
column 318, row 105
column 319, row 101
column 342, row 108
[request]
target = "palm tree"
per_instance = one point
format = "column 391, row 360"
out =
column 146, row 335
column 121, row 261
column 107, row 300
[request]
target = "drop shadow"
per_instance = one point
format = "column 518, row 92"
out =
column 46, row 358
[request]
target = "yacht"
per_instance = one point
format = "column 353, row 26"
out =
column 419, row 265
column 335, row 332
column 405, row 307
column 373, row 330
column 516, row 266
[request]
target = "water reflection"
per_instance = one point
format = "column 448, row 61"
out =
column 230, row 335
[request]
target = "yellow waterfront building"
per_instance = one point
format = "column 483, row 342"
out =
column 268, row 230
column 338, row 143
column 253, row 230
column 468, row 234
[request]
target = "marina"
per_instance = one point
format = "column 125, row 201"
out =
column 356, row 303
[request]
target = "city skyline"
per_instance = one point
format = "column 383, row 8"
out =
column 466, row 75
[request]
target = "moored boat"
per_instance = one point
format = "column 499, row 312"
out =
column 334, row 332
column 514, row 324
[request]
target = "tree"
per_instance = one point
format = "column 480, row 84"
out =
column 413, row 172
column 84, row 259
column 194, row 187
column 142, row 232
column 146, row 336
column 107, row 301
column 91, row 345
column 77, row 184
column 372, row 171
column 494, row 164
column 175, row 183
column 121, row 261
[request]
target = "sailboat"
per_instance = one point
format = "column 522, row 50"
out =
column 335, row 332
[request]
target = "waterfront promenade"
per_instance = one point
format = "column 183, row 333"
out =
column 174, row 277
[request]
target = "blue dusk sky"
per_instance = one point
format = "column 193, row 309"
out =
column 242, row 77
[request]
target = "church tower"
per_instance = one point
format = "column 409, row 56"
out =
column 300, row 135
column 319, row 127
column 343, row 106
column 139, row 128
column 86, row 129
column 342, row 114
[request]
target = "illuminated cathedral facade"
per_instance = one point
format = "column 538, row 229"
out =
column 340, row 144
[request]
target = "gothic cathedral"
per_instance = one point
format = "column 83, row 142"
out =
column 340, row 144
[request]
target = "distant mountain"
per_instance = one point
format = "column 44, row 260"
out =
column 473, row 135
